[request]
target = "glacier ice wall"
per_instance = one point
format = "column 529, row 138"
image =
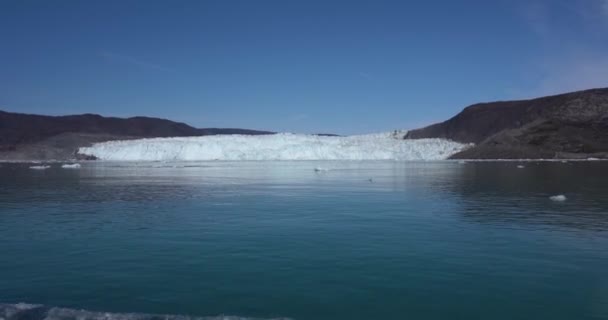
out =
column 282, row 146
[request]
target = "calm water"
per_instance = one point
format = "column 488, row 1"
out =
column 263, row 239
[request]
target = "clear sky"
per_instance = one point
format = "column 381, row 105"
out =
column 301, row 66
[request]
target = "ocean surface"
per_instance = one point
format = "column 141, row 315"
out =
column 350, row 240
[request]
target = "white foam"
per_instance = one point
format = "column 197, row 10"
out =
column 558, row 198
column 40, row 312
column 71, row 166
column 284, row 146
column 43, row 167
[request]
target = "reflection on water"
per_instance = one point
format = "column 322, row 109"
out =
column 356, row 240
column 514, row 195
column 522, row 195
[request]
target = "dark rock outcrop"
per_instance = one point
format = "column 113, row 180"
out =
column 572, row 125
column 37, row 137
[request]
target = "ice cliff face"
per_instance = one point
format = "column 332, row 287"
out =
column 284, row 146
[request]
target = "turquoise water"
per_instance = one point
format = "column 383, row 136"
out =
column 362, row 240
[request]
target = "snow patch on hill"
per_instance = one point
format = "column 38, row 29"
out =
column 283, row 146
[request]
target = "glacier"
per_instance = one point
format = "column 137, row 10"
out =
column 281, row 146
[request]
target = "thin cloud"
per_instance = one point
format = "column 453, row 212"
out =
column 298, row 117
column 120, row 58
column 365, row 75
column 536, row 15
column 583, row 72
column 576, row 66
column 570, row 73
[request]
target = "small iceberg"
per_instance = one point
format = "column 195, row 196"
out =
column 39, row 167
column 71, row 166
column 558, row 198
column 521, row 166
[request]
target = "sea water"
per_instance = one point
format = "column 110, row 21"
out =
column 355, row 240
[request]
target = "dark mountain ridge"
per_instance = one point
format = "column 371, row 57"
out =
column 571, row 125
column 28, row 136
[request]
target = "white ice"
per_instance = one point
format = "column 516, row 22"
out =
column 283, row 146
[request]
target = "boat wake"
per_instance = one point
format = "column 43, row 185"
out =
column 24, row 311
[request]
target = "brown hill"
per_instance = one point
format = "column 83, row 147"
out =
column 571, row 125
column 37, row 137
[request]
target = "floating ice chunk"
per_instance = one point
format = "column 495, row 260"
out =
column 42, row 167
column 71, row 166
column 558, row 198
column 283, row 146
column 521, row 166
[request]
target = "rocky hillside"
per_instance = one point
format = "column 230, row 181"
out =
column 36, row 137
column 572, row 125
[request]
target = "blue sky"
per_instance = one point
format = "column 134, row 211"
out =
column 301, row 66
